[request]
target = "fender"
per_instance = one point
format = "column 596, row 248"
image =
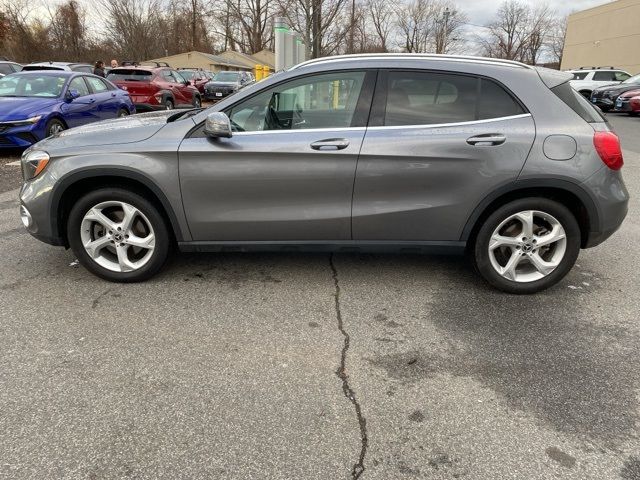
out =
column 560, row 184
column 68, row 180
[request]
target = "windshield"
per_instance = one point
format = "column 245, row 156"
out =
column 34, row 85
column 634, row 80
column 226, row 77
column 129, row 75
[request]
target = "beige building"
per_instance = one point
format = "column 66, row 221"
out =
column 607, row 35
column 206, row 61
column 264, row 57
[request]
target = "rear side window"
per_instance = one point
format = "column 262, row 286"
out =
column 576, row 102
column 129, row 75
column 427, row 98
column 604, row 76
column 97, row 85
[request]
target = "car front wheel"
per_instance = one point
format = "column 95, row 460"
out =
column 118, row 235
column 527, row 245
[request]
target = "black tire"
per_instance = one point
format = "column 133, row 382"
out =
column 633, row 114
column 168, row 104
column 161, row 232
column 123, row 112
column 586, row 94
column 54, row 126
column 197, row 101
column 605, row 109
column 480, row 252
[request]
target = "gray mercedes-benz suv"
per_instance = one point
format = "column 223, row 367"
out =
column 415, row 153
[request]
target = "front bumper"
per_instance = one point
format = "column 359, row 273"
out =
column 20, row 137
column 217, row 95
column 35, row 203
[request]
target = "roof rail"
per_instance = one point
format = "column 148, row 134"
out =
column 432, row 56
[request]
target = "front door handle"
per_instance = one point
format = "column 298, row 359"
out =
column 487, row 139
column 330, row 144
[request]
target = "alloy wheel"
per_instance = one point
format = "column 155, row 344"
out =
column 527, row 246
column 117, row 236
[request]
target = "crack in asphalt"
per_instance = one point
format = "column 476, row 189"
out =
column 358, row 467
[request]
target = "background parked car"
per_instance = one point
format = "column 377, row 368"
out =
column 197, row 77
column 64, row 66
column 9, row 67
column 586, row 79
column 605, row 97
column 623, row 102
column 37, row 104
column 156, row 88
column 226, row 83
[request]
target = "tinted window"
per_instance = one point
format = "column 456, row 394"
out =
column 604, row 76
column 5, row 69
column 495, row 102
column 320, row 101
column 578, row 103
column 621, row 76
column 129, row 75
column 82, row 68
column 423, row 98
column 97, row 85
column 80, row 85
column 227, row 76
column 16, row 67
column 178, row 77
column 579, row 75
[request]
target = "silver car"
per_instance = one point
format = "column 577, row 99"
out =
column 408, row 153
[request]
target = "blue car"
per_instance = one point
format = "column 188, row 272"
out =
column 37, row 104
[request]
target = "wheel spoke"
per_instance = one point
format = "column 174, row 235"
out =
column 544, row 267
column 526, row 218
column 123, row 260
column 130, row 214
column 97, row 216
column 498, row 240
column 509, row 270
column 556, row 233
column 94, row 247
column 148, row 242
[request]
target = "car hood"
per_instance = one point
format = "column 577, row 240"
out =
column 135, row 128
column 631, row 93
column 222, row 84
column 618, row 88
column 21, row 108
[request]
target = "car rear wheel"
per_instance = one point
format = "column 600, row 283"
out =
column 527, row 245
column 123, row 112
column 197, row 101
column 118, row 235
column 54, row 126
column 168, row 104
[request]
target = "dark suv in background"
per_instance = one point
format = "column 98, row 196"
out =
column 156, row 87
column 412, row 153
column 226, row 83
column 605, row 97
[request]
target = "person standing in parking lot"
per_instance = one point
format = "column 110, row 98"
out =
column 98, row 69
column 114, row 63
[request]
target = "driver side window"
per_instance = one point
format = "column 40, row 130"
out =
column 79, row 84
column 320, row 101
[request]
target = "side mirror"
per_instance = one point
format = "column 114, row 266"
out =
column 72, row 94
column 217, row 125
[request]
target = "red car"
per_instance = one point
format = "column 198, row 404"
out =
column 197, row 77
column 626, row 101
column 156, row 88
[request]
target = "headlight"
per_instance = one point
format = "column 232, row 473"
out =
column 28, row 121
column 33, row 163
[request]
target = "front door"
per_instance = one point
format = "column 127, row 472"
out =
column 82, row 109
column 287, row 173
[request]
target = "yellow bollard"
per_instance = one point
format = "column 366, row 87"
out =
column 258, row 72
column 266, row 71
column 336, row 94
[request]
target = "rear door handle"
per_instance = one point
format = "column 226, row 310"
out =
column 330, row 144
column 487, row 139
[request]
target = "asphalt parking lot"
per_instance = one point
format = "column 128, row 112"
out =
column 296, row 366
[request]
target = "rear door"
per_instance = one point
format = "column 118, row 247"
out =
column 106, row 101
column 287, row 173
column 437, row 144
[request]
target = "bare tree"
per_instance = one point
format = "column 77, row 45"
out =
column 449, row 21
column 255, row 21
column 557, row 36
column 416, row 24
column 508, row 33
column 540, row 25
column 67, row 30
column 382, row 16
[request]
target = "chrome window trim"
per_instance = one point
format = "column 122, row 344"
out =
column 454, row 124
column 302, row 130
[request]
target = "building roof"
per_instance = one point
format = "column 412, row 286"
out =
column 245, row 59
column 213, row 59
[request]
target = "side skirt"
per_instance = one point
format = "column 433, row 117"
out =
column 363, row 246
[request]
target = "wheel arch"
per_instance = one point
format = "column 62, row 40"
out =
column 75, row 185
column 570, row 194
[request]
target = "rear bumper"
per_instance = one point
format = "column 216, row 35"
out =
column 612, row 197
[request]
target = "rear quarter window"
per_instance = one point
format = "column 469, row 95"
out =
column 576, row 102
column 129, row 75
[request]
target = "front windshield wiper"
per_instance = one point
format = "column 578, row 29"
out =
column 185, row 114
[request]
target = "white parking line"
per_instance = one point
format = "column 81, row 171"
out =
column 14, row 164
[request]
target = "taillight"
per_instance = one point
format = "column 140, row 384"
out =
column 608, row 147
